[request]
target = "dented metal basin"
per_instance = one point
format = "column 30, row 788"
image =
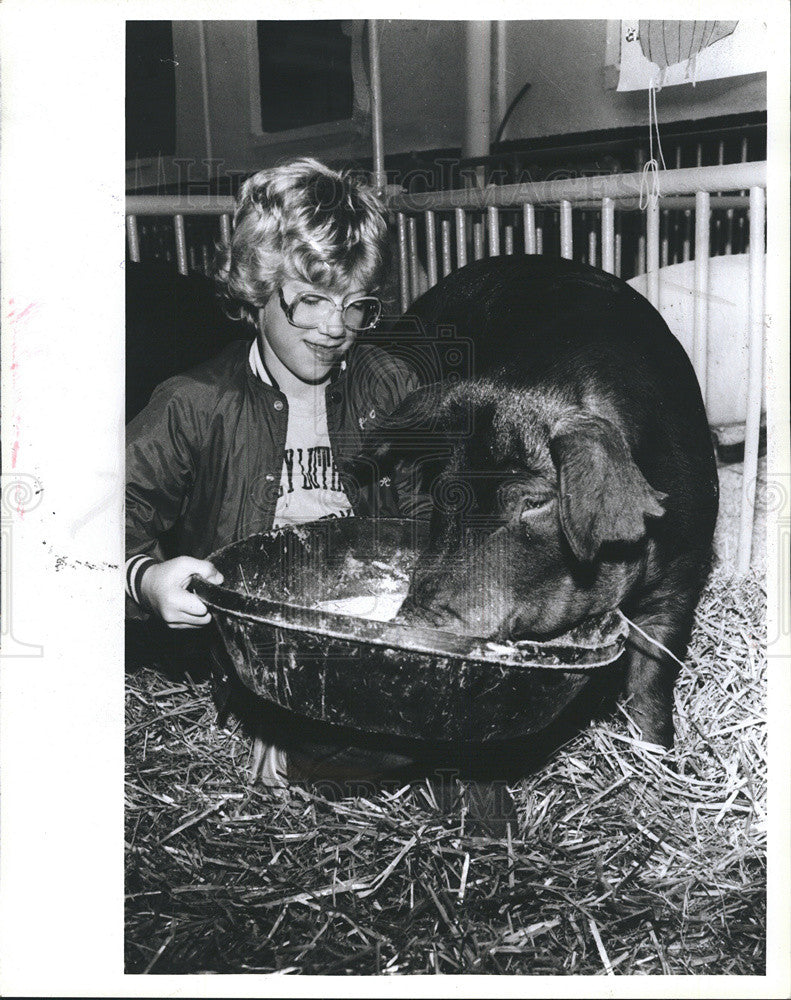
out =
column 383, row 676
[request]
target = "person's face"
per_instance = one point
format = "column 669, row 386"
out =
column 309, row 354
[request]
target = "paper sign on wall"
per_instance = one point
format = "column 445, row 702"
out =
column 669, row 53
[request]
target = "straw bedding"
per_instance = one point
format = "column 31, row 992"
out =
column 623, row 861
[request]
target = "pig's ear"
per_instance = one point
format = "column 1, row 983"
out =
column 603, row 495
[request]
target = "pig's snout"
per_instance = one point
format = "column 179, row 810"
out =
column 456, row 592
column 424, row 604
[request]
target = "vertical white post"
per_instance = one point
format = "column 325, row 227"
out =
column 431, row 248
column 529, row 218
column 565, row 230
column 687, row 244
column 639, row 264
column 701, row 315
column 592, row 247
column 446, row 260
column 461, row 238
column 403, row 262
column 652, row 251
column 608, row 235
column 509, row 239
column 204, row 79
column 715, row 237
column 414, row 263
column 499, row 71
column 181, row 244
column 225, row 228
column 754, row 376
column 477, row 240
column 380, row 177
column 133, row 238
column 729, row 232
column 493, row 218
column 664, row 228
column 478, row 74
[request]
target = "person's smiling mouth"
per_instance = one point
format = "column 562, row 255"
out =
column 327, row 352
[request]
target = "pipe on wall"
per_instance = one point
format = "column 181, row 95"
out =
column 478, row 102
column 499, row 72
column 204, row 76
column 379, row 178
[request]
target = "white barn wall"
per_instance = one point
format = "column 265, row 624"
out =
column 423, row 92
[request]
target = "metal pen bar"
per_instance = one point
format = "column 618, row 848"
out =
column 477, row 240
column 493, row 218
column 461, row 238
column 592, row 247
column 133, row 238
column 757, row 272
column 687, row 241
column 179, row 204
column 380, row 177
column 414, row 262
column 608, row 235
column 652, row 251
column 181, row 244
column 688, row 180
column 431, row 248
column 701, row 311
column 529, row 218
column 403, row 262
column 225, row 228
column 142, row 205
column 566, row 248
column 446, row 245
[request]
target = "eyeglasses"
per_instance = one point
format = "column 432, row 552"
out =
column 309, row 310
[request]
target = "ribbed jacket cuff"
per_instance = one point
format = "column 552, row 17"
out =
column 135, row 567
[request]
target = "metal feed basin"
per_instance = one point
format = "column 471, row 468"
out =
column 383, row 676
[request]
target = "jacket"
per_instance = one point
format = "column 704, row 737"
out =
column 204, row 458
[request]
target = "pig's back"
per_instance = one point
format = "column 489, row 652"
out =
column 551, row 324
column 541, row 309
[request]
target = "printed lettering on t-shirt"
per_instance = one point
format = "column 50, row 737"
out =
column 311, row 472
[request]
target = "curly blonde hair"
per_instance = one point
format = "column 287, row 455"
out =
column 301, row 221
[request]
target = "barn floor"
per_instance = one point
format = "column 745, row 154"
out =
column 620, row 861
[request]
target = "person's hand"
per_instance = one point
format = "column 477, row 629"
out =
column 163, row 590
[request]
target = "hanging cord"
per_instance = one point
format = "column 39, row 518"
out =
column 523, row 90
column 649, row 188
column 654, row 642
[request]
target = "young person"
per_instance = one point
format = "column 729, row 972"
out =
column 255, row 437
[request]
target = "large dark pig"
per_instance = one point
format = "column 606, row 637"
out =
column 570, row 473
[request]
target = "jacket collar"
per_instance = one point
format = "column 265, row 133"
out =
column 259, row 369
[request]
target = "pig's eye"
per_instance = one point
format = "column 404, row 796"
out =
column 518, row 498
column 530, row 504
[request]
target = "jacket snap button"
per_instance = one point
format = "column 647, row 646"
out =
column 278, row 404
column 270, row 478
column 335, row 397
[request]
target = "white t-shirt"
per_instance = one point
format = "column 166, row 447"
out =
column 310, row 487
